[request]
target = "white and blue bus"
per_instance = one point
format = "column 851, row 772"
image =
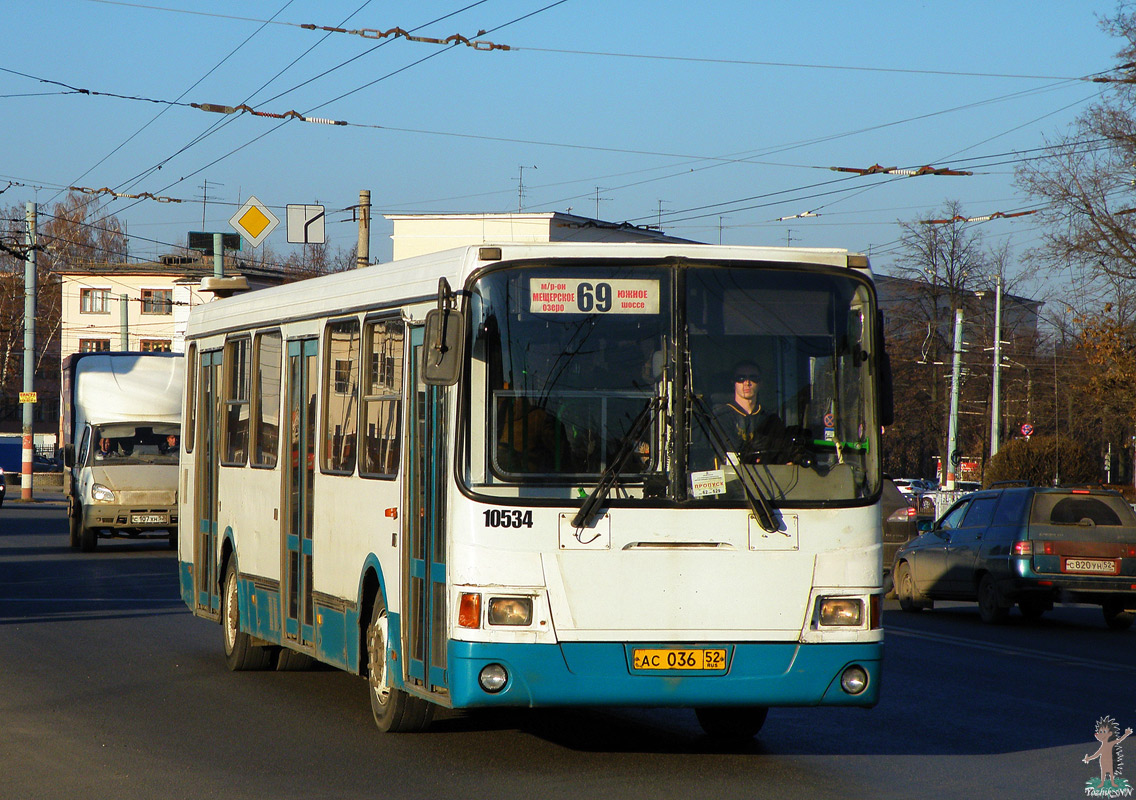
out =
column 509, row 475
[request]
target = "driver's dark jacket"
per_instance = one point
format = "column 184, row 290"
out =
column 758, row 433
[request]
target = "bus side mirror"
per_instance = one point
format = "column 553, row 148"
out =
column 442, row 343
column 68, row 455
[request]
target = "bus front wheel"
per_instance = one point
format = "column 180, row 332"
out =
column 394, row 710
column 731, row 722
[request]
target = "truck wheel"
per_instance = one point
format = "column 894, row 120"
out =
column 394, row 710
column 74, row 525
column 88, row 537
column 240, row 652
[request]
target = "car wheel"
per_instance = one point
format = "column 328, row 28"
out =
column 240, row 652
column 909, row 597
column 1033, row 607
column 1117, row 617
column 991, row 606
column 731, row 722
column 394, row 710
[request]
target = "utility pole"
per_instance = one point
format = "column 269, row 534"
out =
column 996, row 389
column 363, row 252
column 952, row 425
column 31, row 236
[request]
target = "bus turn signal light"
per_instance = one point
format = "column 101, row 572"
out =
column 469, row 610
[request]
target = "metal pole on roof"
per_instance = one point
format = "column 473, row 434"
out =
column 124, row 321
column 219, row 255
column 31, row 213
column 363, row 253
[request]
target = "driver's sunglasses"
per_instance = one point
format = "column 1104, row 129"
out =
column 749, row 376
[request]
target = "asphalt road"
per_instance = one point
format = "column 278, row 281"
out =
column 111, row 689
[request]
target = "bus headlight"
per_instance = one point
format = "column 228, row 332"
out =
column 845, row 612
column 101, row 493
column 510, row 610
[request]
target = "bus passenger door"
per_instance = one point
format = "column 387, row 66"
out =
column 207, row 590
column 296, row 587
column 424, row 605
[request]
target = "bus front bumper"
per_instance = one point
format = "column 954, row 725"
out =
column 602, row 673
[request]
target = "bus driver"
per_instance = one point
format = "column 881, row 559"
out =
column 758, row 435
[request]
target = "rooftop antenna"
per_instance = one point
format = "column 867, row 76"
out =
column 598, row 198
column 205, row 200
column 521, row 187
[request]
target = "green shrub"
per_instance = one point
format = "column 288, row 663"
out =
column 1039, row 458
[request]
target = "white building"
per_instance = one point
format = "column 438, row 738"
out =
column 418, row 234
column 139, row 307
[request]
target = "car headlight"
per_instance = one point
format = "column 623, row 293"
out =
column 845, row 612
column 101, row 493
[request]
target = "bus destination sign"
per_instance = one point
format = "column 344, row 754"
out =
column 574, row 296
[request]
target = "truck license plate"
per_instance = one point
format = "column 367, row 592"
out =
column 672, row 658
column 148, row 519
column 1095, row 565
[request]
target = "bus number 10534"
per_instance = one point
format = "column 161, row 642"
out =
column 507, row 518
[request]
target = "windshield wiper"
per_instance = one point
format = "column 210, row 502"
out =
column 610, row 475
column 758, row 503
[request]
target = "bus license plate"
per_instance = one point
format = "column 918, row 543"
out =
column 1096, row 565
column 148, row 519
column 670, row 658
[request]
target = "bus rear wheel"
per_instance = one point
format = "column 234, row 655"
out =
column 731, row 722
column 394, row 710
column 240, row 652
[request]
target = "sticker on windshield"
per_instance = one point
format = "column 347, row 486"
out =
column 574, row 296
column 709, row 482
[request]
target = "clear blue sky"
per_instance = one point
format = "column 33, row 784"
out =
column 714, row 119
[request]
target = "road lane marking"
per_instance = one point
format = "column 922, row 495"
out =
column 1024, row 652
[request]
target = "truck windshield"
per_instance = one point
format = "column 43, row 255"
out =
column 753, row 371
column 124, row 443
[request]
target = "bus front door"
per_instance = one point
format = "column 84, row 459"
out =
column 424, row 598
column 296, row 588
column 207, row 590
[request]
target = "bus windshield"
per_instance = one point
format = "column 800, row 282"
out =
column 684, row 380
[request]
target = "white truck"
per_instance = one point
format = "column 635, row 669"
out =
column 121, row 433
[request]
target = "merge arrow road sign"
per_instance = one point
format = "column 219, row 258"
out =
column 254, row 221
column 305, row 224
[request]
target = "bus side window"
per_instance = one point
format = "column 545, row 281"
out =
column 380, row 408
column 236, row 420
column 341, row 388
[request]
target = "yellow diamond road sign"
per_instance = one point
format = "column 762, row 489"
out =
column 254, row 221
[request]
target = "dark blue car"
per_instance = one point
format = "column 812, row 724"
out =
column 1029, row 546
